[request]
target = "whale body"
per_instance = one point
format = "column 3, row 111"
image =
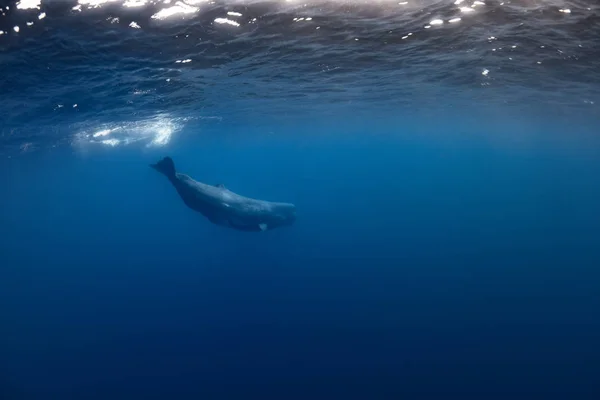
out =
column 223, row 207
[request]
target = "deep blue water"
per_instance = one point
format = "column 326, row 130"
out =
column 447, row 243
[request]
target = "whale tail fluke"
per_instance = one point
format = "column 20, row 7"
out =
column 165, row 166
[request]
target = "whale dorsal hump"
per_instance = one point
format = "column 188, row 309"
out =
column 220, row 186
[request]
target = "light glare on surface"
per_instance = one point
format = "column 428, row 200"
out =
column 27, row 4
column 104, row 132
column 94, row 3
column 226, row 21
column 134, row 3
column 178, row 8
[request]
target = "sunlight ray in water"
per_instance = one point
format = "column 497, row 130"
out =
column 104, row 132
column 154, row 133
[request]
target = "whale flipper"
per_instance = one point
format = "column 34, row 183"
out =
column 165, row 166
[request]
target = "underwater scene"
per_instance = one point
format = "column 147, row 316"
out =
column 299, row 199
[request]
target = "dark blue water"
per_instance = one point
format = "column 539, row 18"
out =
column 447, row 243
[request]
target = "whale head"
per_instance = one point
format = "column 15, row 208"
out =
column 283, row 214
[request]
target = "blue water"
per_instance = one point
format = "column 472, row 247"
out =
column 447, row 243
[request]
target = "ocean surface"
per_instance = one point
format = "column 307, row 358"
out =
column 443, row 156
